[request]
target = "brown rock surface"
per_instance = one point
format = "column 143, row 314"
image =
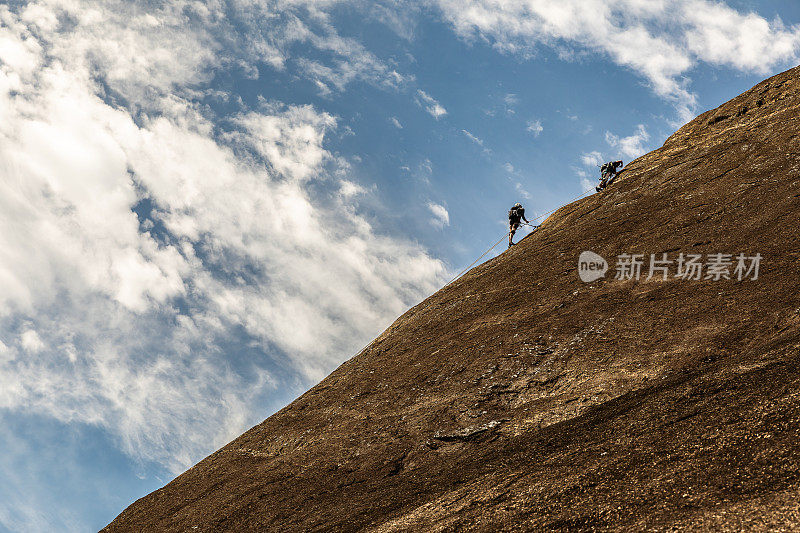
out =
column 520, row 398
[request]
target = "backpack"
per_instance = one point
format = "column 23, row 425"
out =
column 516, row 213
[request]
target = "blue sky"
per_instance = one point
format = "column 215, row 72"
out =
column 209, row 205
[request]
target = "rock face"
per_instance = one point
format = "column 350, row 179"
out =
column 521, row 398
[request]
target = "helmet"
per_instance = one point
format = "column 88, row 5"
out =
column 517, row 205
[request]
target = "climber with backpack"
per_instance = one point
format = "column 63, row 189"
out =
column 608, row 173
column 515, row 215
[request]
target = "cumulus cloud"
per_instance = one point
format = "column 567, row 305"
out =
column 661, row 41
column 146, row 238
column 718, row 34
column 441, row 217
column 632, row 146
column 427, row 102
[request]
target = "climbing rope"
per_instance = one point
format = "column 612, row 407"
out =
column 566, row 204
column 535, row 228
column 478, row 259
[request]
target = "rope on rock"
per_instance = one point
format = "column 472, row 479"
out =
column 535, row 228
column 478, row 259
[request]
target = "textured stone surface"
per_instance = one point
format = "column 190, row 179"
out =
column 618, row 405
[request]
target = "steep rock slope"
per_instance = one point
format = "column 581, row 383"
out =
column 520, row 398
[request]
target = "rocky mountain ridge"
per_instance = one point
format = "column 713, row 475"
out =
column 520, row 398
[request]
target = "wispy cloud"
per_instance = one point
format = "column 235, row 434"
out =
column 472, row 137
column 535, row 127
column 441, row 217
column 430, row 104
column 591, row 159
column 632, row 146
column 586, row 183
column 511, row 100
column 396, row 123
column 477, row 140
column 522, row 191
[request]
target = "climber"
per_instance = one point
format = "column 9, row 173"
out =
column 514, row 215
column 608, row 173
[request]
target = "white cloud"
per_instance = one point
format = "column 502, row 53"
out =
column 631, row 146
column 140, row 236
column 522, row 191
column 477, row 140
column 308, row 22
column 472, row 137
column 426, row 167
column 430, row 104
column 591, row 159
column 396, row 123
column 535, row 127
column 441, row 217
column 510, row 100
column 349, row 190
column 586, row 183
column 30, row 342
column 721, row 35
column 661, row 41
